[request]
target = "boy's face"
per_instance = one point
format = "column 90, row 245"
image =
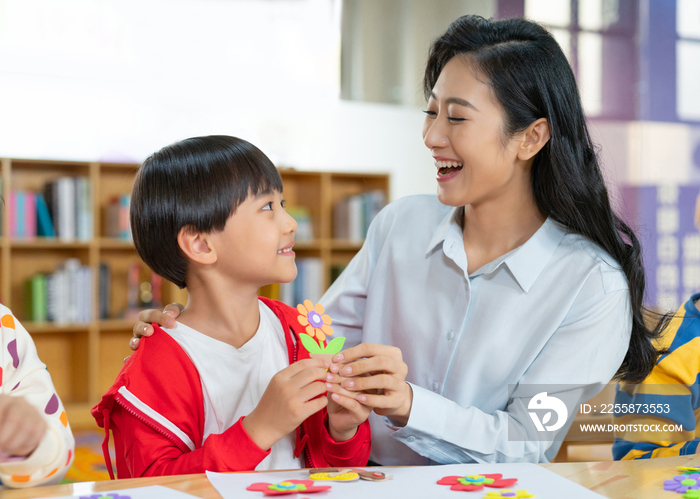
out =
column 255, row 246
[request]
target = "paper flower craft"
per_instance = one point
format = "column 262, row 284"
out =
column 317, row 328
column 317, row 323
column 508, row 493
column 691, row 494
column 287, row 487
column 342, row 476
column 683, row 483
column 688, row 469
column 477, row 482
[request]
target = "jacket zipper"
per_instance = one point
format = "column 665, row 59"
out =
column 148, row 422
column 307, row 454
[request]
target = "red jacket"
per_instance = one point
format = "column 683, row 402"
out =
column 155, row 410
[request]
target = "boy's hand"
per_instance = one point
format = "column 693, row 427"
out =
column 21, row 426
column 345, row 414
column 290, row 398
column 166, row 318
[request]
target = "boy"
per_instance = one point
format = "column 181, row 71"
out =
column 225, row 390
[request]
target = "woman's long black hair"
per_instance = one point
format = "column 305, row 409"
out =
column 532, row 79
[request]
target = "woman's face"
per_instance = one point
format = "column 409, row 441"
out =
column 463, row 130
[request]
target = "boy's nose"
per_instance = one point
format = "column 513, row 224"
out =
column 290, row 224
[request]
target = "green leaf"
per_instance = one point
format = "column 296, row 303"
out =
column 335, row 345
column 310, row 344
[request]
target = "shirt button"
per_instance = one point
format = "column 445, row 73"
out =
column 411, row 438
column 435, row 387
column 450, row 334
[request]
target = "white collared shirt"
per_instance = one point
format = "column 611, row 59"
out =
column 554, row 310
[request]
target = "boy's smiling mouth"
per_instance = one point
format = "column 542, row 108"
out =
column 286, row 250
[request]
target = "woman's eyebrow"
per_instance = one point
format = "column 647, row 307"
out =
column 456, row 100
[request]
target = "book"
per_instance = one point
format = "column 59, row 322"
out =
column 302, row 216
column 30, row 214
column 65, row 205
column 44, row 223
column 105, row 286
column 35, row 298
column 353, row 215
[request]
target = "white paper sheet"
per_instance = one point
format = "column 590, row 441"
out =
column 151, row 492
column 411, row 482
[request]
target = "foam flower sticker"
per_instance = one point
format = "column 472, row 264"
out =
column 476, row 482
column 287, row 487
column 688, row 470
column 683, row 483
column 691, row 494
column 317, row 323
column 508, row 493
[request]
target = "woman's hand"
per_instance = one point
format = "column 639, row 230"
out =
column 376, row 375
column 166, row 318
column 21, row 426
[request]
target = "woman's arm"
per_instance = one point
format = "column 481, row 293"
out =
column 25, row 377
column 585, row 352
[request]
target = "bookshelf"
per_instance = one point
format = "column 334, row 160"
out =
column 84, row 358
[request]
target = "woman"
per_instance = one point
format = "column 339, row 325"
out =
column 518, row 276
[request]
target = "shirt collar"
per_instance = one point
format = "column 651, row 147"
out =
column 525, row 262
column 450, row 219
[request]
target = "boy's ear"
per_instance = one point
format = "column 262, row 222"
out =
column 533, row 139
column 196, row 245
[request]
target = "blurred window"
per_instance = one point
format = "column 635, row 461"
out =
column 598, row 38
column 687, row 57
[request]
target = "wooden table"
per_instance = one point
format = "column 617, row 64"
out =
column 614, row 479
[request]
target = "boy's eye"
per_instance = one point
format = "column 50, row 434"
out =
column 268, row 206
column 283, row 204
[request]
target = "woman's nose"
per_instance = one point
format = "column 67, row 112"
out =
column 434, row 136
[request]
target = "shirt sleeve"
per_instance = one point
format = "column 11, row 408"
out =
column 352, row 452
column 150, row 453
column 24, row 375
column 585, row 351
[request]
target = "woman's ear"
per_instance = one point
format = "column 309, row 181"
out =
column 533, row 139
column 196, row 245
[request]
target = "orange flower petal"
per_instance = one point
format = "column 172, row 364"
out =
column 310, row 330
column 303, row 320
column 326, row 319
column 302, row 309
column 321, row 337
column 309, row 305
column 319, row 308
column 327, row 329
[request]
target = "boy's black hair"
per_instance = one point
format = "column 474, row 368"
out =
column 197, row 182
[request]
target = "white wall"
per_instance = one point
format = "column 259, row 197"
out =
column 114, row 80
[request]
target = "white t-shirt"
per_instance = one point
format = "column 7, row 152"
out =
column 234, row 379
